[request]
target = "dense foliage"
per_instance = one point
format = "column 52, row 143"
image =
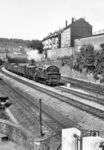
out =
column 13, row 43
column 91, row 60
column 5, row 42
column 99, row 70
column 85, row 59
column 36, row 44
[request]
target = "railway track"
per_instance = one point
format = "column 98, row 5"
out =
column 28, row 104
column 84, row 107
column 15, row 101
column 82, row 95
column 96, row 88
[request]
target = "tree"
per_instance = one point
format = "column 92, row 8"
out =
column 100, row 63
column 85, row 59
column 36, row 44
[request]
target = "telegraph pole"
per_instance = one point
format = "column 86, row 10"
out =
column 40, row 117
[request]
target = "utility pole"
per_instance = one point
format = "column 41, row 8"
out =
column 40, row 117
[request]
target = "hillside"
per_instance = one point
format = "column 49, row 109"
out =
column 12, row 43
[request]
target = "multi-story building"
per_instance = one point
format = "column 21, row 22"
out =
column 65, row 37
column 53, row 41
column 77, row 29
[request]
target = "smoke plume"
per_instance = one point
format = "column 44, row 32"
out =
column 34, row 55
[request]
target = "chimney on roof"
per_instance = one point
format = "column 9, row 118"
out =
column 72, row 19
column 66, row 23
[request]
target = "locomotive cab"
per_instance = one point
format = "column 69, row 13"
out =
column 52, row 75
column 49, row 74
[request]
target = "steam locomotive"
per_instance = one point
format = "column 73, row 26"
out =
column 47, row 74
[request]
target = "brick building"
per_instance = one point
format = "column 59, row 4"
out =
column 65, row 37
column 77, row 29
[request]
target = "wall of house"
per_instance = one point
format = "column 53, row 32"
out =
column 56, row 53
column 52, row 42
column 66, row 37
column 80, row 29
column 96, row 41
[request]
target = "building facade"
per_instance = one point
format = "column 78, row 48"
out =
column 65, row 37
column 79, row 29
column 53, row 41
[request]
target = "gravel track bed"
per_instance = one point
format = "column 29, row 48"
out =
column 24, row 116
column 73, row 100
column 88, row 86
column 81, row 94
column 82, row 120
column 47, row 112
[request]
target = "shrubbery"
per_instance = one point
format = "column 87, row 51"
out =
column 91, row 60
column 36, row 44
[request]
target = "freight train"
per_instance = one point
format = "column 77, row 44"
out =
column 47, row 74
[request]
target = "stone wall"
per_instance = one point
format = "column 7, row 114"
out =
column 58, row 53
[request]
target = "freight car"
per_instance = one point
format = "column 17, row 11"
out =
column 47, row 74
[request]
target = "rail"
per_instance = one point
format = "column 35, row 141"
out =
column 17, row 134
column 96, row 88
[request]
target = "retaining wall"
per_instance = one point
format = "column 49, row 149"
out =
column 57, row 53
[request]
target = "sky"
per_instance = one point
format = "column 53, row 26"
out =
column 35, row 19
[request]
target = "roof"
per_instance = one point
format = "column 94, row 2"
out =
column 22, row 64
column 31, row 66
column 94, row 35
column 47, row 66
column 56, row 33
column 75, row 21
